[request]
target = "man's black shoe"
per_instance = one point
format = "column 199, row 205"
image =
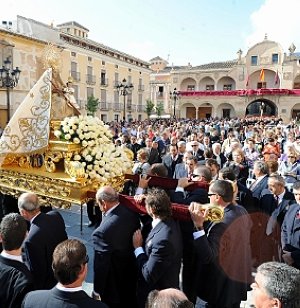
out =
column 91, row 224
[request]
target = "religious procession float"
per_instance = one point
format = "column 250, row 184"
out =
column 49, row 148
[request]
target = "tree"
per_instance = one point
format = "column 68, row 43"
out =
column 92, row 105
column 149, row 107
column 159, row 109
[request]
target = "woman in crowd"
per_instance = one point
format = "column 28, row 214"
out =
column 141, row 166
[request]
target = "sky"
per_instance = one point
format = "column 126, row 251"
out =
column 182, row 32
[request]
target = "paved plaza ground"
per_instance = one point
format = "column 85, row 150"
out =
column 72, row 221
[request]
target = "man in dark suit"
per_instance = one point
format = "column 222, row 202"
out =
column 154, row 156
column 159, row 264
column 171, row 160
column 290, row 232
column 274, row 207
column 46, row 232
column 15, row 279
column 197, row 152
column 222, row 250
column 70, row 269
column 200, row 173
column 114, row 261
column 261, row 172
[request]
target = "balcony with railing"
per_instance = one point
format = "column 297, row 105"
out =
column 75, row 75
column 91, row 79
column 104, row 82
column 140, row 108
column 245, row 92
column 141, row 87
column 117, row 106
column 104, row 106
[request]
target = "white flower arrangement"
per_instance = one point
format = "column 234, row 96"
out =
column 100, row 158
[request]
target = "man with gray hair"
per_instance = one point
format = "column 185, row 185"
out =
column 114, row 261
column 46, row 232
column 276, row 285
column 15, row 278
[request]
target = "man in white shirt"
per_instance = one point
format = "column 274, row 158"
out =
column 15, row 279
column 70, row 269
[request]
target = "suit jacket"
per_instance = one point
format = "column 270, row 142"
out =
column 154, row 156
column 224, row 259
column 257, row 189
column 180, row 171
column 159, row 266
column 15, row 282
column 57, row 298
column 245, row 198
column 170, row 164
column 46, row 232
column 114, row 262
column 199, row 154
column 290, row 234
column 268, row 205
column 222, row 157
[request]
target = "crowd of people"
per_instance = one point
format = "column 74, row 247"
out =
column 172, row 253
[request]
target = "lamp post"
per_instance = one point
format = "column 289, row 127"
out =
column 9, row 79
column 175, row 96
column 124, row 89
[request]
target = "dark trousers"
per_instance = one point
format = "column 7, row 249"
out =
column 94, row 213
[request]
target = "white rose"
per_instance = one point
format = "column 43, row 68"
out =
column 89, row 167
column 77, row 157
column 67, row 136
column 66, row 128
column 89, row 158
column 57, row 133
column 84, row 143
column 76, row 140
column 71, row 132
column 83, row 164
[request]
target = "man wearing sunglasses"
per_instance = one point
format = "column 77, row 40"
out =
column 223, row 252
column 70, row 268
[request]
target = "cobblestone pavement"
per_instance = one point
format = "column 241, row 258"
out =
column 72, row 221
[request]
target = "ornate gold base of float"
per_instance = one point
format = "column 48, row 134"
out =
column 58, row 181
column 56, row 189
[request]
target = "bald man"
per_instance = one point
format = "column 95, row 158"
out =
column 114, row 260
column 168, row 298
column 46, row 232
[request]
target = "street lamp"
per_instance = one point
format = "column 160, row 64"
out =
column 9, row 79
column 175, row 96
column 124, row 89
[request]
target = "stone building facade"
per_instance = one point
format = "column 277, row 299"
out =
column 96, row 69
column 265, row 81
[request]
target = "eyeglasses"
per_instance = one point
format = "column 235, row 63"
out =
column 194, row 175
column 211, row 194
column 86, row 260
column 291, row 157
column 194, row 145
